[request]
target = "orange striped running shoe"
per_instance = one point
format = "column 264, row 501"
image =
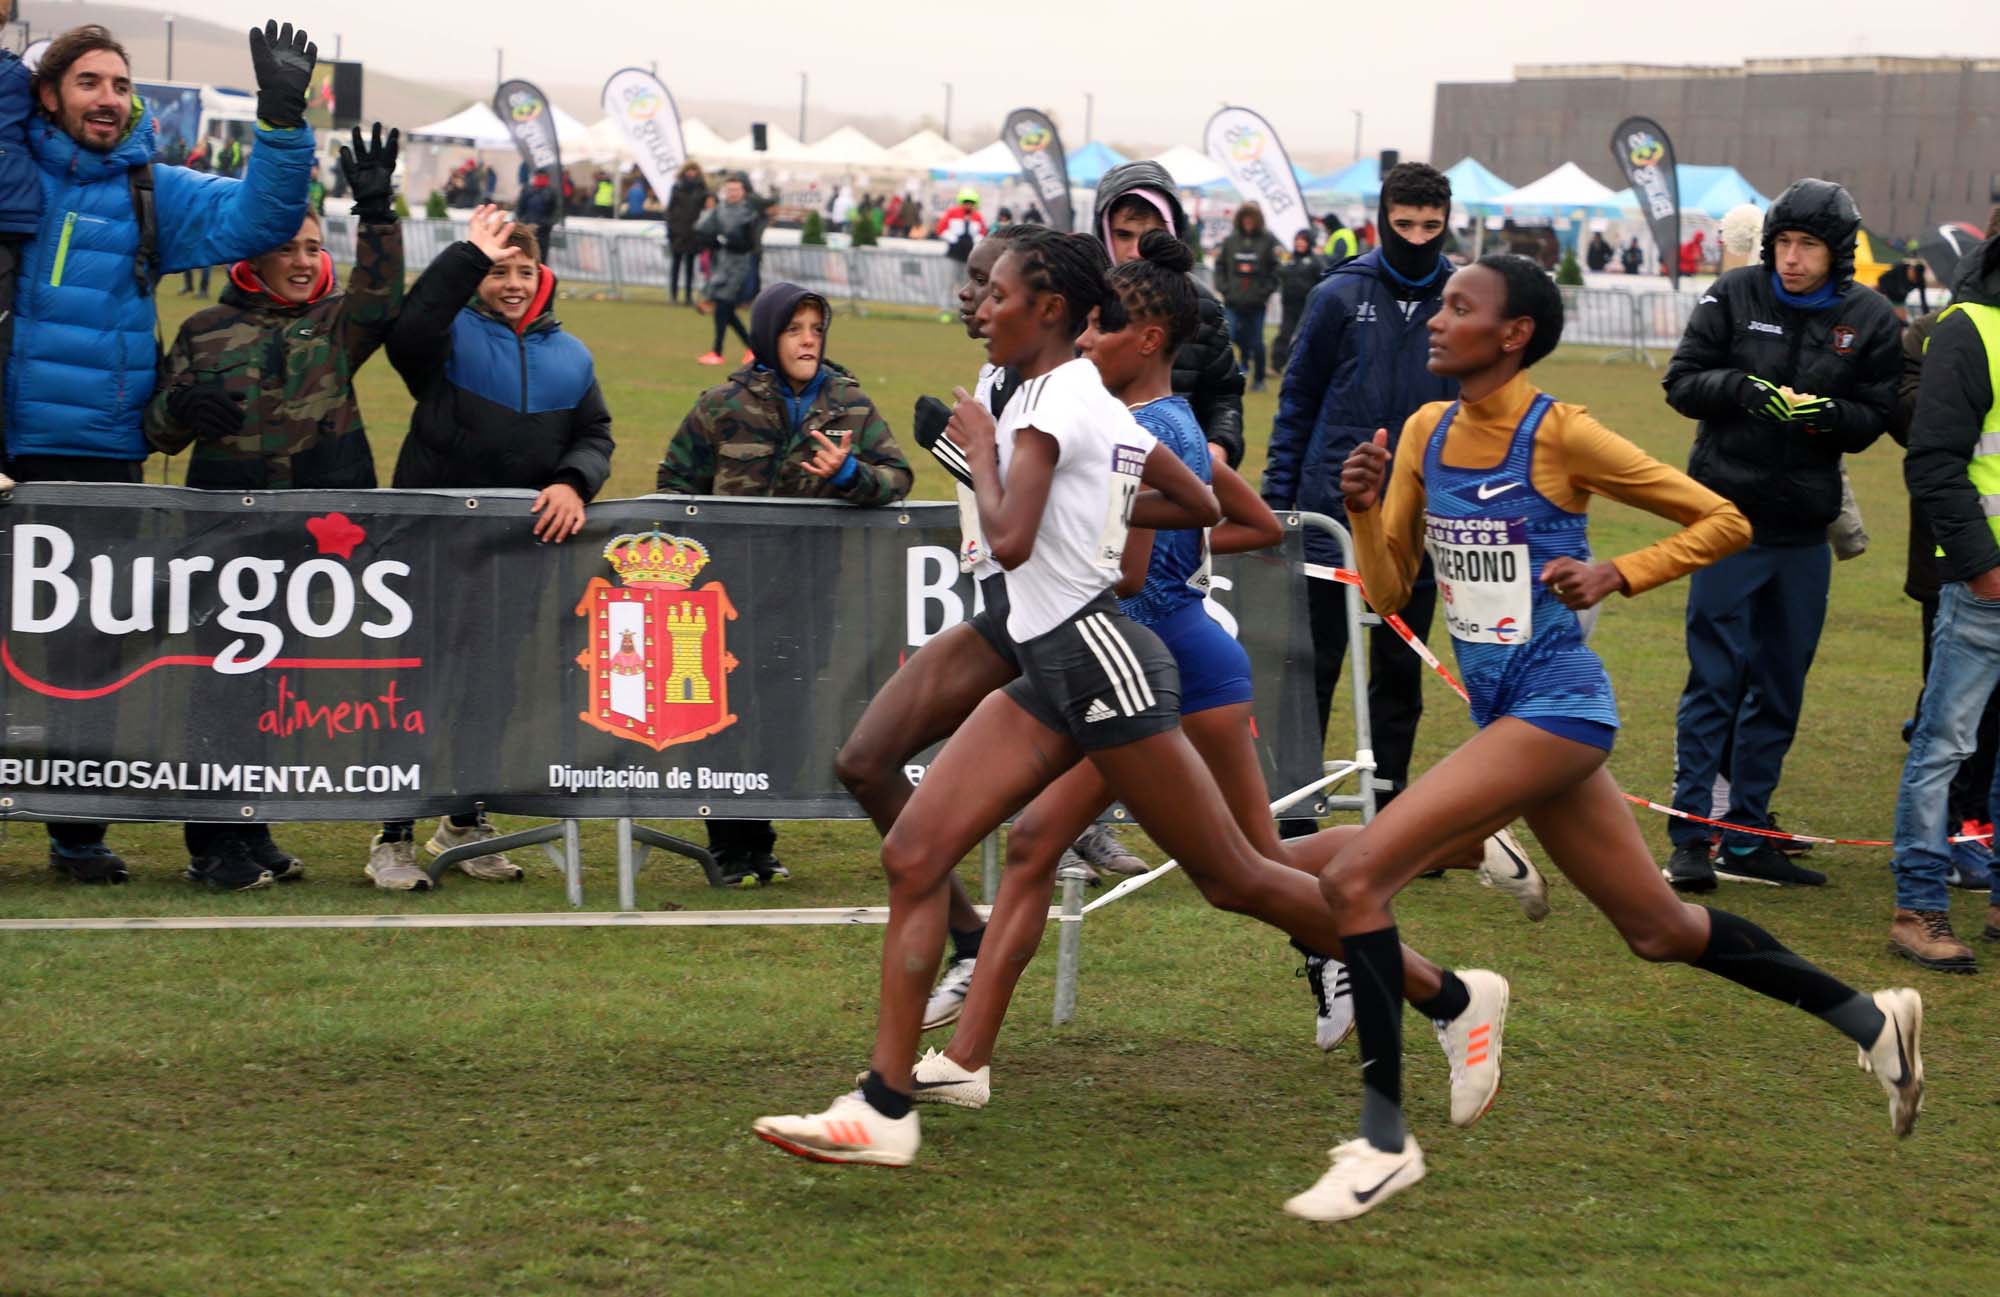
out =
column 850, row 1130
column 1471, row 1044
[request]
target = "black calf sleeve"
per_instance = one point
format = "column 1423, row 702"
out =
column 1749, row 956
column 1375, row 971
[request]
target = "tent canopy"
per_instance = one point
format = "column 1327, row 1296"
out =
column 1710, row 190
column 1473, row 183
column 701, row 141
column 1359, row 181
column 1191, row 170
column 1565, row 192
column 478, row 126
column 993, row 163
column 848, row 147
column 926, row 149
column 1088, row 164
column 782, row 146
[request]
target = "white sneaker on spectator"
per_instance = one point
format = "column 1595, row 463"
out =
column 1101, row 850
column 393, row 866
column 491, row 868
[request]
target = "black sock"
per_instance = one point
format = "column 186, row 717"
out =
column 893, row 1104
column 1451, row 1000
column 399, row 831
column 1375, row 967
column 465, row 821
column 1749, row 956
column 965, row 945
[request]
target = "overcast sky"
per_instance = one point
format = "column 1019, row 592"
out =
column 1157, row 70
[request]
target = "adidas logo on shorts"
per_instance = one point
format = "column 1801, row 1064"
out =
column 1096, row 712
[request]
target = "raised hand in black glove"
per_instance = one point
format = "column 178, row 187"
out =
column 283, row 61
column 371, row 175
column 208, row 409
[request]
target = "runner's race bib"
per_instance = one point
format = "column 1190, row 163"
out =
column 1483, row 577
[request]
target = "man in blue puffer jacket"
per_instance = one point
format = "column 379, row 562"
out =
column 20, row 187
column 85, row 348
column 1361, row 362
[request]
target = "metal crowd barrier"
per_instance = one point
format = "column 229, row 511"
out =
column 1632, row 325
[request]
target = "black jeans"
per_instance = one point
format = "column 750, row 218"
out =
column 681, row 266
column 725, row 320
column 78, row 468
column 1395, row 681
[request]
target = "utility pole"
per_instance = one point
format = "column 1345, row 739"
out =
column 336, row 47
column 170, row 47
column 1357, row 134
column 1089, row 114
column 947, row 112
column 499, row 66
column 802, row 108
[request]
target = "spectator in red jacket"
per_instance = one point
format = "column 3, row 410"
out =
column 1691, row 253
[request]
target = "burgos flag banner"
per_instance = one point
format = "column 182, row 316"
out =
column 1246, row 146
column 1646, row 156
column 172, row 654
column 533, row 126
column 1039, row 150
column 645, row 112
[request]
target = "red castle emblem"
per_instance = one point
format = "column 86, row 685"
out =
column 659, row 673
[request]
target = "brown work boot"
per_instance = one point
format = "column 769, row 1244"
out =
column 1925, row 937
column 1992, row 932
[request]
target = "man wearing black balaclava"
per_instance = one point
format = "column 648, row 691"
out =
column 1361, row 362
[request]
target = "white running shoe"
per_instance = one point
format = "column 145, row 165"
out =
column 1333, row 1000
column 392, row 866
column 1506, row 868
column 1361, row 1177
column 1471, row 1044
column 948, row 999
column 1102, row 851
column 850, row 1130
column 1896, row 1057
column 937, row 1079
column 492, row 867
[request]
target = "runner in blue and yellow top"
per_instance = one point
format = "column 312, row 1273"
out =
column 1494, row 486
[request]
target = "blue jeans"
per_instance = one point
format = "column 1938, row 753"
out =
column 1246, row 330
column 1753, row 624
column 1965, row 665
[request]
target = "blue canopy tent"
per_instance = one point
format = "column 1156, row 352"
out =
column 993, row 164
column 1472, row 184
column 1088, row 164
column 1710, row 190
column 1359, row 181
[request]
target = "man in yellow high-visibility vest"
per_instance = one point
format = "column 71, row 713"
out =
column 1953, row 472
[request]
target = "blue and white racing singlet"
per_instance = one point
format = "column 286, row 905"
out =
column 1490, row 534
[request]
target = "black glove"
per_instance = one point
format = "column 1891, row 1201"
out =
column 1817, row 413
column 930, row 418
column 208, row 409
column 371, row 175
column 1761, row 399
column 283, row 61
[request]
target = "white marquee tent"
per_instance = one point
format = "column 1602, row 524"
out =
column 477, row 126
column 1190, row 170
column 926, row 149
column 1565, row 192
column 850, row 148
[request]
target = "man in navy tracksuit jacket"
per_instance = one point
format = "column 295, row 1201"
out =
column 1361, row 362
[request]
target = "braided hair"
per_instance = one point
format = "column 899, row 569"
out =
column 1071, row 265
column 1155, row 286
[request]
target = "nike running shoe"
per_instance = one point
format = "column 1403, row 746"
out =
column 1505, row 867
column 937, row 1079
column 1333, row 1000
column 1471, row 1044
column 850, row 1130
column 948, row 1000
column 1896, row 1057
column 1361, row 1178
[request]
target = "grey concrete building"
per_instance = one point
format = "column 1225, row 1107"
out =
column 1916, row 140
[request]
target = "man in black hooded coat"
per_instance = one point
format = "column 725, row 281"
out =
column 1205, row 366
column 1787, row 365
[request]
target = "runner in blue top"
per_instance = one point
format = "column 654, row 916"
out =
column 1494, row 486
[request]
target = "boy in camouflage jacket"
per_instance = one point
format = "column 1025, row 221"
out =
column 262, row 383
column 791, row 424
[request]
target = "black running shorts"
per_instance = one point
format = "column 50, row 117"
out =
column 991, row 620
column 1100, row 678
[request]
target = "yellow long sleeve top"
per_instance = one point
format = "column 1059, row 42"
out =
column 1575, row 457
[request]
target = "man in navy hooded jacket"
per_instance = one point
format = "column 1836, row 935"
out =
column 1361, row 362
column 1787, row 365
column 85, row 349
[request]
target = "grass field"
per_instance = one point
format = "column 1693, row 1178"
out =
column 553, row 1112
